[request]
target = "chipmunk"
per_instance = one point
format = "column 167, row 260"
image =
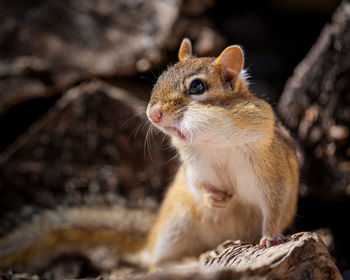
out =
column 238, row 178
column 239, row 174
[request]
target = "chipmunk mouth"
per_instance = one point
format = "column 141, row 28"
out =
column 175, row 130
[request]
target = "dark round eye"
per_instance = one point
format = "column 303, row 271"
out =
column 197, row 86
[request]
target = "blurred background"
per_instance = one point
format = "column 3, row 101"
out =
column 75, row 77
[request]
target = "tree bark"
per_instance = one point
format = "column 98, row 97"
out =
column 304, row 256
column 315, row 106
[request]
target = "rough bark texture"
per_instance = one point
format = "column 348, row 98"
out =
column 50, row 44
column 45, row 46
column 89, row 149
column 315, row 105
column 303, row 257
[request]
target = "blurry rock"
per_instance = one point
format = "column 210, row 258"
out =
column 209, row 42
column 327, row 238
column 18, row 276
column 98, row 38
column 47, row 44
column 14, row 90
column 196, row 7
column 206, row 40
column 88, row 149
column 315, row 105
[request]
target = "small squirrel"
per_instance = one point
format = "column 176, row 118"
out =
column 238, row 178
column 239, row 175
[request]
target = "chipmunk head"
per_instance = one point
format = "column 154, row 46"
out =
column 192, row 98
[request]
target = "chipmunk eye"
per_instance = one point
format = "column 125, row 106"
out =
column 197, row 86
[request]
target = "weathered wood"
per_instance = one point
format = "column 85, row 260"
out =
column 93, row 40
column 75, row 40
column 303, row 257
column 89, row 149
column 315, row 105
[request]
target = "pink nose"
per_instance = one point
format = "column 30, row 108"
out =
column 156, row 115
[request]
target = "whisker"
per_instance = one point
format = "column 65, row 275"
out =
column 168, row 147
column 172, row 158
column 152, row 134
column 142, row 124
column 146, row 143
column 164, row 137
column 134, row 115
column 139, row 127
column 151, row 138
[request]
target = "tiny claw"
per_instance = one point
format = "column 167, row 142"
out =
column 269, row 242
column 214, row 197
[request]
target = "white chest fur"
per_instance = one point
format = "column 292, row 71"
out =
column 228, row 170
column 231, row 171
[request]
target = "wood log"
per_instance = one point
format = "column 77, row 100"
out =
column 304, row 256
column 92, row 40
column 101, row 40
column 90, row 144
column 315, row 106
column 83, row 154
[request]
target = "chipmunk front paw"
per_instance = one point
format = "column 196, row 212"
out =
column 269, row 242
column 214, row 197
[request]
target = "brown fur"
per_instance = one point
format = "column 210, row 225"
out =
column 266, row 147
column 74, row 231
column 272, row 158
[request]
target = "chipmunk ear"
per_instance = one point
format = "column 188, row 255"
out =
column 185, row 50
column 230, row 64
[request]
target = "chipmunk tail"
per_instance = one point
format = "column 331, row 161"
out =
column 104, row 237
